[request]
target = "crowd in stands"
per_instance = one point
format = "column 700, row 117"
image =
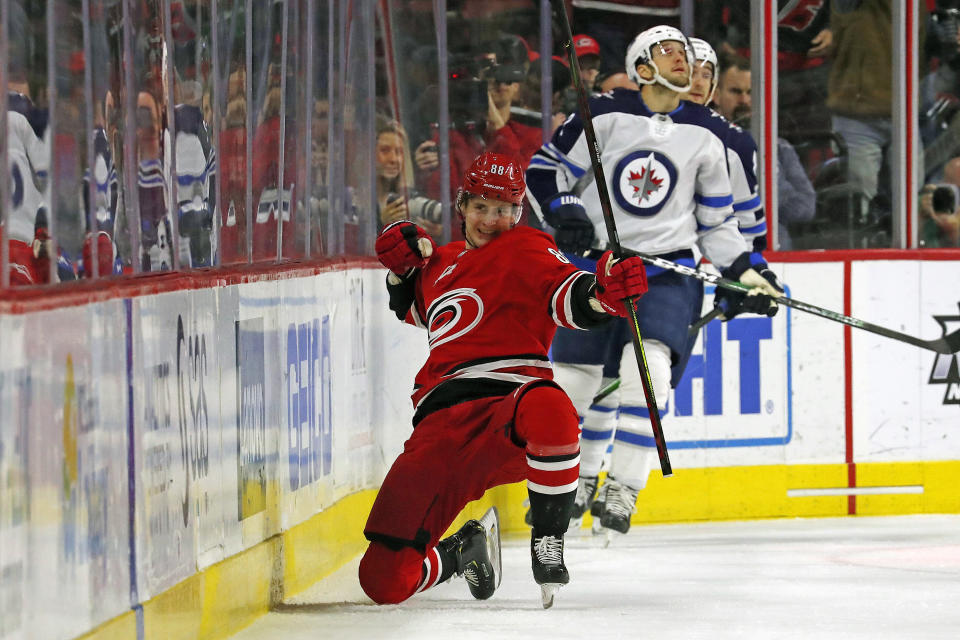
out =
column 835, row 128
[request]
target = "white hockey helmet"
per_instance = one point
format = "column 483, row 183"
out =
column 703, row 52
column 640, row 49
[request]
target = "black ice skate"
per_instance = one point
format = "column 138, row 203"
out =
column 620, row 504
column 476, row 548
column 586, row 492
column 546, row 553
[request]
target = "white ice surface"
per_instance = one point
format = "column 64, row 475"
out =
column 846, row 578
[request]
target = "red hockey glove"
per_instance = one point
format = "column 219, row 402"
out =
column 402, row 246
column 105, row 255
column 617, row 280
column 41, row 236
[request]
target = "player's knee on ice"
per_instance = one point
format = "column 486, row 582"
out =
column 390, row 576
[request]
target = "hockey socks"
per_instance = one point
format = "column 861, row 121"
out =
column 438, row 566
column 552, row 486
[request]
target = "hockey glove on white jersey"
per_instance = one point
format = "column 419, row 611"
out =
column 751, row 270
column 573, row 230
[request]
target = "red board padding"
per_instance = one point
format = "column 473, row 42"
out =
column 71, row 294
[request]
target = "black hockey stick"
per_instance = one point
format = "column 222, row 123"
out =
column 704, row 320
column 949, row 343
column 594, row 147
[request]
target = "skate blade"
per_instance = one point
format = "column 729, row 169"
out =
column 547, row 591
column 491, row 523
column 596, row 528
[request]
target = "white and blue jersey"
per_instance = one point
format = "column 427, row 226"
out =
column 742, row 160
column 28, row 154
column 667, row 175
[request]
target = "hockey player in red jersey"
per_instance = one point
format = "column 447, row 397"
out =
column 487, row 411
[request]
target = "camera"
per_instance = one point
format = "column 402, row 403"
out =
column 468, row 101
column 509, row 73
column 420, row 207
column 945, row 198
column 425, row 208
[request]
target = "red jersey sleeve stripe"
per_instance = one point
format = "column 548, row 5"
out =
column 561, row 302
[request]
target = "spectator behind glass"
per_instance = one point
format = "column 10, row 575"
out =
column 860, row 93
column 530, row 92
column 588, row 55
column 511, row 137
column 803, row 43
column 156, row 251
column 394, row 181
column 480, row 118
column 614, row 23
column 733, row 99
column 232, row 171
column 940, row 217
column 28, row 242
column 796, row 199
column 195, row 177
column 614, row 80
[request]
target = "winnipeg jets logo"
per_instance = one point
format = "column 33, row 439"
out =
column 643, row 182
column 452, row 315
column 946, row 367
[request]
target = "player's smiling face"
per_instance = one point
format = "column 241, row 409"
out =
column 486, row 219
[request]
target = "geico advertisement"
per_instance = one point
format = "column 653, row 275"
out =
column 735, row 391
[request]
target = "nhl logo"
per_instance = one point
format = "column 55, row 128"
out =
column 643, row 182
column 946, row 368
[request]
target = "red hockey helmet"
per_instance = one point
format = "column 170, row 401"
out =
column 494, row 176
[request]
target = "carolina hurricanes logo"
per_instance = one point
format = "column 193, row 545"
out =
column 452, row 315
column 643, row 182
column 799, row 14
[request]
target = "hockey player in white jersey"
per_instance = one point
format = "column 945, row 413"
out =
column 671, row 194
column 28, row 154
column 741, row 148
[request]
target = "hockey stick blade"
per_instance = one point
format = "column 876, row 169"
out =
column 945, row 344
column 605, row 391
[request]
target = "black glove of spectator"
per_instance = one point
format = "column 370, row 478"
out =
column 752, row 270
column 573, row 229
